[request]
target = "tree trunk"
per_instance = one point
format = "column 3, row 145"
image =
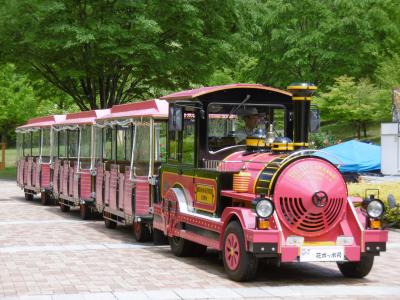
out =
column 358, row 130
column 364, row 125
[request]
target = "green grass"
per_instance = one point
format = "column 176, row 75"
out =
column 10, row 172
column 346, row 132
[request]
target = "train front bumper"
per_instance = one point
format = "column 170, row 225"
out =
column 273, row 244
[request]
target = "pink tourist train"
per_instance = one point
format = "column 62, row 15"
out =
column 224, row 167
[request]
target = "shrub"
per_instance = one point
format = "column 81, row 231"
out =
column 321, row 140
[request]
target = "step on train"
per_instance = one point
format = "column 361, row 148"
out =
column 223, row 167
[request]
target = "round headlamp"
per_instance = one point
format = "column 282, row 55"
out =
column 375, row 208
column 264, row 208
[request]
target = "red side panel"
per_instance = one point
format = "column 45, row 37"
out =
column 75, row 182
column 29, row 171
column 65, row 170
column 99, row 184
column 56, row 176
column 86, row 185
column 26, row 172
column 36, row 177
column 128, row 184
column 70, row 181
column 121, row 189
column 142, row 196
column 113, row 187
column 20, row 171
column 107, row 188
column 45, row 176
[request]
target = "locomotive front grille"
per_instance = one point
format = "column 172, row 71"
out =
column 305, row 219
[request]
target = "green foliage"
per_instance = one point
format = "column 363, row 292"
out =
column 17, row 100
column 392, row 216
column 317, row 41
column 356, row 103
column 388, row 72
column 321, row 140
column 21, row 99
column 107, row 52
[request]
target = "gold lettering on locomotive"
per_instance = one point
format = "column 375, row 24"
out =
column 205, row 194
column 311, row 170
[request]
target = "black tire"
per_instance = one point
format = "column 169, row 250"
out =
column 64, row 208
column 198, row 249
column 141, row 231
column 159, row 238
column 357, row 269
column 180, row 247
column 45, row 198
column 110, row 224
column 239, row 264
column 28, row 197
column 85, row 212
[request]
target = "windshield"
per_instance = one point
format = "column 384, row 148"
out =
column 230, row 124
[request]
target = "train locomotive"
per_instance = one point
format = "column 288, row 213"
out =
column 229, row 169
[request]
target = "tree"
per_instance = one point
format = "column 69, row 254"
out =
column 388, row 72
column 106, row 52
column 317, row 41
column 357, row 103
column 17, row 100
column 21, row 100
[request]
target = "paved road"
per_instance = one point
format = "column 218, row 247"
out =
column 46, row 254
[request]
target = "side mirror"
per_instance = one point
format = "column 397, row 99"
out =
column 315, row 120
column 175, row 118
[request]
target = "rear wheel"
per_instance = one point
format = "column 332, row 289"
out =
column 45, row 198
column 357, row 269
column 85, row 212
column 159, row 238
column 110, row 224
column 28, row 197
column 64, row 208
column 239, row 264
column 181, row 247
column 141, row 232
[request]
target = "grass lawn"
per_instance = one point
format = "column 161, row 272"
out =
column 347, row 132
column 385, row 189
column 10, row 172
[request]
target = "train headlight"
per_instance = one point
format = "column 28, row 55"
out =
column 375, row 208
column 264, row 208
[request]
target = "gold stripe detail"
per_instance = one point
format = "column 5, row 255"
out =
column 301, row 98
column 322, row 243
column 302, row 87
column 300, row 144
column 257, row 143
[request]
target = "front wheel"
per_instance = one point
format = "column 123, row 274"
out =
column 357, row 269
column 239, row 264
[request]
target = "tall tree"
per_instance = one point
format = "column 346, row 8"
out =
column 358, row 103
column 318, row 41
column 105, row 52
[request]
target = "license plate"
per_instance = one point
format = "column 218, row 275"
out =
column 322, row 253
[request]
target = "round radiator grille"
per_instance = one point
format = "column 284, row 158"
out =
column 309, row 221
column 310, row 196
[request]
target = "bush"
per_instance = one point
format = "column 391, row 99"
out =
column 321, row 140
column 392, row 216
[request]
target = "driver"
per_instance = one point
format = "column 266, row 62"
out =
column 251, row 119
